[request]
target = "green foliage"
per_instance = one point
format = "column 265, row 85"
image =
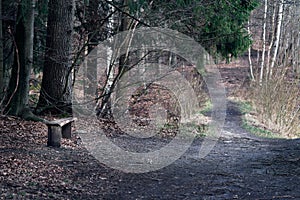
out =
column 224, row 28
column 219, row 25
column 245, row 107
column 258, row 131
column 136, row 6
column 206, row 108
column 64, row 115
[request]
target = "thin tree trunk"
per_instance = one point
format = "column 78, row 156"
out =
column 104, row 109
column 1, row 56
column 93, row 41
column 277, row 38
column 295, row 38
column 271, row 43
column 103, row 106
column 56, row 90
column 91, row 69
column 18, row 94
column 257, row 57
column 8, row 46
column 249, row 56
column 296, row 60
column 283, row 52
column 264, row 43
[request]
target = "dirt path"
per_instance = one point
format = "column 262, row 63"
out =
column 240, row 166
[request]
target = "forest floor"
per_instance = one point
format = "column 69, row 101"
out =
column 240, row 166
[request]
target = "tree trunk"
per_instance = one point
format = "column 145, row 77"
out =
column 271, row 42
column 17, row 98
column 249, row 56
column 104, row 107
column 1, row 56
column 91, row 68
column 8, row 43
column 264, row 43
column 277, row 38
column 296, row 59
column 56, row 90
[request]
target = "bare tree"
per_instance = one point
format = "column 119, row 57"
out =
column 271, row 41
column 249, row 55
column 264, row 42
column 278, row 34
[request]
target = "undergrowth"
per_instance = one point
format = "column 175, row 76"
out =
column 277, row 105
column 251, row 124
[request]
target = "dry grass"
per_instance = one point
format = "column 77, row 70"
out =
column 277, row 104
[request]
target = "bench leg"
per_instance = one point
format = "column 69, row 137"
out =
column 66, row 131
column 54, row 136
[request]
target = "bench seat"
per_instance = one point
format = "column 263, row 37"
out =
column 58, row 129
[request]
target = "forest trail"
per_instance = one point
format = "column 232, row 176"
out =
column 240, row 166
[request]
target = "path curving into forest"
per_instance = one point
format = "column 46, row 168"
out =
column 240, row 166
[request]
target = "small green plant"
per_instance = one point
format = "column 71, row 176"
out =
column 202, row 128
column 64, row 115
column 169, row 126
column 32, row 184
column 197, row 130
column 245, row 107
column 207, row 107
column 34, row 89
column 258, row 131
column 22, row 193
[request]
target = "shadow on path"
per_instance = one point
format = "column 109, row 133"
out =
column 241, row 166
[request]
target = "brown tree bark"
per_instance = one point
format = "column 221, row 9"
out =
column 1, row 55
column 56, row 90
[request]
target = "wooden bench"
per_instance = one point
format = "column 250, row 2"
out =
column 58, row 129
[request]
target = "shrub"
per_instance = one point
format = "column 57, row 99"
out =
column 277, row 104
